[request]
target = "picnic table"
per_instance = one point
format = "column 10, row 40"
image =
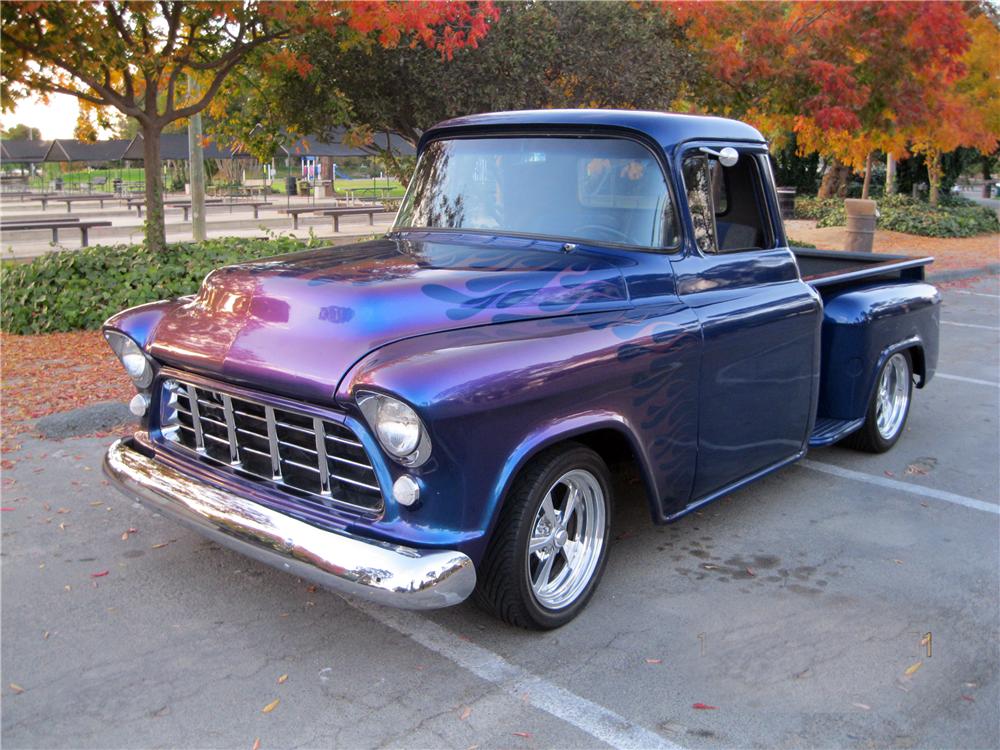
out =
column 316, row 208
column 185, row 205
column 377, row 193
column 25, row 225
column 337, row 213
column 69, row 200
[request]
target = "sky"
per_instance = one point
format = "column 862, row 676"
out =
column 55, row 119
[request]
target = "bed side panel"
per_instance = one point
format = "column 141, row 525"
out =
column 860, row 326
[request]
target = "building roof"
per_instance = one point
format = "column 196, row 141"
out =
column 174, row 146
column 23, row 151
column 667, row 129
column 72, row 150
column 332, row 144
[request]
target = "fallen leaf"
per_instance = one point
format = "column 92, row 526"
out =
column 912, row 669
column 282, row 679
column 916, row 469
column 6, row 509
column 100, row 575
column 750, row 572
column 466, row 713
column 703, row 707
column 889, row 473
column 311, row 589
column 67, row 587
column 654, row 661
column 526, row 735
column 898, row 562
column 16, row 688
column 709, row 566
column 63, row 510
column 161, row 545
column 45, row 635
column 127, row 532
column 256, row 744
column 271, row 706
column 94, row 504
column 968, row 698
column 862, row 706
column 62, row 526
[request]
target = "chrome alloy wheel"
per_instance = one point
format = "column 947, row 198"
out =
column 893, row 396
column 567, row 538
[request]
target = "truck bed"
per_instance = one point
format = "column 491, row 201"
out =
column 821, row 268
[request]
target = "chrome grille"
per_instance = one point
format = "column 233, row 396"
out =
column 310, row 457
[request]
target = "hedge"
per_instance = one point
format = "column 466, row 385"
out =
column 954, row 217
column 67, row 291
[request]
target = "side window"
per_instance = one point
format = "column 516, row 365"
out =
column 727, row 204
column 698, row 186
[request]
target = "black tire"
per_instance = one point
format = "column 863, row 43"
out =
column 868, row 438
column 503, row 587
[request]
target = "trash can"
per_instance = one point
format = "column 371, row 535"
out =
column 57, row 183
column 116, row 185
column 861, row 217
column 291, row 187
column 786, row 202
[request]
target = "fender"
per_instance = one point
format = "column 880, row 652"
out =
column 566, row 429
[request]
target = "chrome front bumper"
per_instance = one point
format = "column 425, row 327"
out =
column 380, row 572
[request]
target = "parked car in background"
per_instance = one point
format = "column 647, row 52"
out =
column 438, row 413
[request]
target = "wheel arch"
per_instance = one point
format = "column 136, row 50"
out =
column 610, row 436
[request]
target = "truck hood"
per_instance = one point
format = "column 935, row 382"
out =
column 295, row 324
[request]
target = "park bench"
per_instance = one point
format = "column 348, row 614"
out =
column 69, row 200
column 317, row 208
column 337, row 213
column 55, row 225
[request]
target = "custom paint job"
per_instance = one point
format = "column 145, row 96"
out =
column 709, row 370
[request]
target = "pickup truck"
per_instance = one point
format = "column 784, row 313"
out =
column 438, row 413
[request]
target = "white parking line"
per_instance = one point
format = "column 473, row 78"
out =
column 969, row 325
column 962, row 379
column 597, row 721
column 895, row 484
column 976, row 294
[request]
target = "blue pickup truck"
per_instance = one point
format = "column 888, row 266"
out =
column 439, row 412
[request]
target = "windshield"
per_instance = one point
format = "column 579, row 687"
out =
column 598, row 189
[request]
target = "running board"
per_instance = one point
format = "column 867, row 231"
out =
column 829, row 431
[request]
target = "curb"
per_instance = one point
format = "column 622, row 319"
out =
column 964, row 273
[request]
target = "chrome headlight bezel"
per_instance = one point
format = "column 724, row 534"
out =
column 136, row 362
column 377, row 408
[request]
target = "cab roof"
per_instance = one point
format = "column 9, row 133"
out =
column 666, row 128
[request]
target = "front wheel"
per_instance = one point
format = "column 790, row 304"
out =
column 550, row 546
column 889, row 407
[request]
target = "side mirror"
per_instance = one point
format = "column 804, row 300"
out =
column 727, row 157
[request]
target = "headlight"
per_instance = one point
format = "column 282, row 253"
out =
column 133, row 359
column 397, row 427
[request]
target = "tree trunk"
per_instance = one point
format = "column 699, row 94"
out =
column 987, row 193
column 866, row 187
column 890, row 174
column 834, row 180
column 933, row 158
column 196, row 168
column 156, row 235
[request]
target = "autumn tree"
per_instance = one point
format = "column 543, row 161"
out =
column 847, row 78
column 537, row 54
column 135, row 56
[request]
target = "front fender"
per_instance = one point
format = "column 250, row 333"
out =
column 493, row 396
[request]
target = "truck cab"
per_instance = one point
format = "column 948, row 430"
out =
column 437, row 413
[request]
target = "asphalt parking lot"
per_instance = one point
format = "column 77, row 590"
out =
column 850, row 602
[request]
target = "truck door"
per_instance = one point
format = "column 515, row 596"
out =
column 760, row 322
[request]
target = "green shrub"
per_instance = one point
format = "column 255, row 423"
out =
column 954, row 217
column 68, row 291
column 792, row 242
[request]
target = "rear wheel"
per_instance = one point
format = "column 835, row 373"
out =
column 889, row 407
column 550, row 546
